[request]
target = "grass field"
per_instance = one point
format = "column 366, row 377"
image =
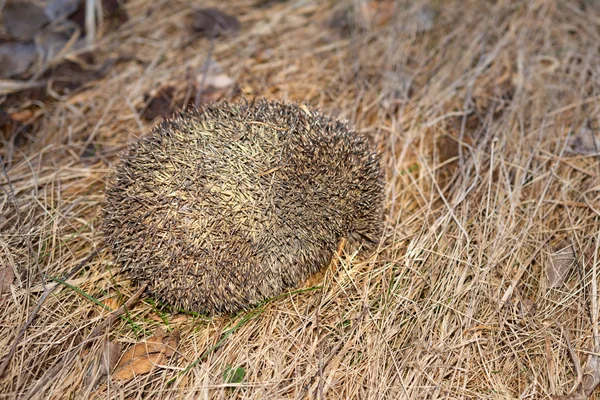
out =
column 485, row 285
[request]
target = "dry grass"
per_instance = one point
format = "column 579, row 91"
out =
column 473, row 116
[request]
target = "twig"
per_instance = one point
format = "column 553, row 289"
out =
column 319, row 300
column 574, row 358
column 90, row 21
column 205, row 69
column 47, row 291
column 116, row 314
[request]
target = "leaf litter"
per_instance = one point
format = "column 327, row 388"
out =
column 450, row 248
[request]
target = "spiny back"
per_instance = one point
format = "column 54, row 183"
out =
column 220, row 209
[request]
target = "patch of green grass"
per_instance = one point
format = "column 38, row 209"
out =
column 127, row 317
column 250, row 315
column 224, row 336
column 233, row 375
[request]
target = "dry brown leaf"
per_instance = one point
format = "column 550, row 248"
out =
column 584, row 142
column 561, row 264
column 528, row 307
column 173, row 320
column 143, row 357
column 106, row 362
column 138, row 366
column 23, row 20
column 179, row 318
column 376, row 13
column 21, row 116
column 16, row 58
column 213, row 84
column 212, row 22
column 160, row 103
column 591, row 375
column 156, row 318
column 110, row 356
column 113, row 303
column 591, row 380
column 7, row 276
column 57, row 9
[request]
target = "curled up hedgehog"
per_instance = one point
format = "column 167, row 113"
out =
column 219, row 209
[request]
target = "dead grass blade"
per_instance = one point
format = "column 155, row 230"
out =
column 47, row 291
column 94, row 335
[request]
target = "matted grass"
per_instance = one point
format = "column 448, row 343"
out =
column 476, row 107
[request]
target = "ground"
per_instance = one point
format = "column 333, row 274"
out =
column 485, row 284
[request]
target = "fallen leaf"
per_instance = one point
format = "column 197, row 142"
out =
column 213, row 84
column 268, row 3
column 7, row 276
column 110, row 356
column 99, row 370
column 112, row 302
column 376, row 13
column 528, row 307
column 591, row 375
column 584, row 142
column 50, row 44
column 112, row 11
column 425, row 19
column 159, row 103
column 22, row 20
column 561, row 264
column 591, row 380
column 21, row 116
column 58, row 9
column 61, row 79
column 342, row 20
column 179, row 318
column 212, row 22
column 16, row 58
column 143, row 357
column 156, row 318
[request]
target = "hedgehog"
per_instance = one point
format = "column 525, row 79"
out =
column 222, row 208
